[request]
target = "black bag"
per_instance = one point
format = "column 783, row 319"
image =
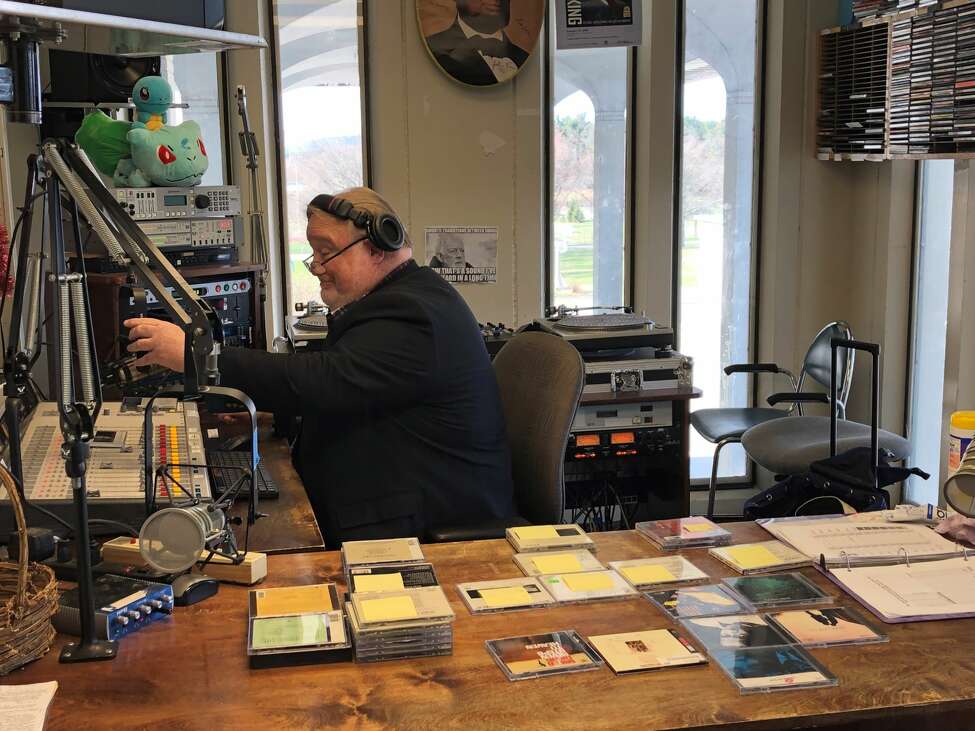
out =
column 847, row 477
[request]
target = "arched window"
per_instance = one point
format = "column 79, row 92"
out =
column 321, row 126
column 588, row 158
column 717, row 223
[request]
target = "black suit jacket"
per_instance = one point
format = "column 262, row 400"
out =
column 458, row 56
column 402, row 425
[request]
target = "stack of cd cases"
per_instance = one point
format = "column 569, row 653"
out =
column 677, row 533
column 401, row 624
column 296, row 625
column 396, row 608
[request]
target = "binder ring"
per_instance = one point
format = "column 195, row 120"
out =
column 848, row 566
column 963, row 549
column 907, row 556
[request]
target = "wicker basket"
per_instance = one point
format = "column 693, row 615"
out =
column 28, row 598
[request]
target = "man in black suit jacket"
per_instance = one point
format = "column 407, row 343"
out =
column 402, row 428
column 475, row 49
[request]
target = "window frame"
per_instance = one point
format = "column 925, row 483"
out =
column 278, row 122
column 747, row 480
column 548, row 161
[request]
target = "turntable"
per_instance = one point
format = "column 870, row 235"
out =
column 308, row 330
column 617, row 329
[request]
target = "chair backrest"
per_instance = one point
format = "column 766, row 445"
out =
column 540, row 378
column 816, row 364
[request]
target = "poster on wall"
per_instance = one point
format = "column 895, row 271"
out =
column 597, row 23
column 480, row 42
column 464, row 254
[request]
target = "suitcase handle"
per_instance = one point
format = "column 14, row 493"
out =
column 874, row 350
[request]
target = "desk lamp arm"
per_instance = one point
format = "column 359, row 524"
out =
column 199, row 323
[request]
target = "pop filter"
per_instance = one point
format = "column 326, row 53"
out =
column 174, row 539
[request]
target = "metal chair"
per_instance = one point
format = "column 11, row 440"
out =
column 791, row 446
column 540, row 379
column 726, row 426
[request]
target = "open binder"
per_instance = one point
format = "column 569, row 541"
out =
column 902, row 572
column 860, row 540
column 912, row 591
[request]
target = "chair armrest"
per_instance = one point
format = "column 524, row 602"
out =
column 751, row 368
column 803, row 397
column 490, row 528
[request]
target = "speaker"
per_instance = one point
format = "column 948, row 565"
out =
column 93, row 77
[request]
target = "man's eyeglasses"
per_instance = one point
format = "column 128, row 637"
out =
column 311, row 264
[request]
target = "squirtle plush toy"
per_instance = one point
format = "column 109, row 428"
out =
column 152, row 97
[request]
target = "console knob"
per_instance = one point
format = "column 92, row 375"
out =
column 202, row 201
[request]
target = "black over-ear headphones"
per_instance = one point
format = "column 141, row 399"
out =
column 384, row 230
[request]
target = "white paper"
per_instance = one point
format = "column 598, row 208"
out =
column 24, row 707
column 597, row 23
column 864, row 542
column 928, row 589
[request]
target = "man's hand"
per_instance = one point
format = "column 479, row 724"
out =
column 161, row 342
column 958, row 528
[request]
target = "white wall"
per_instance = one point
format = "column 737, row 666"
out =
column 433, row 156
column 837, row 237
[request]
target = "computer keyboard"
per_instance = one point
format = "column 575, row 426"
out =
column 223, row 479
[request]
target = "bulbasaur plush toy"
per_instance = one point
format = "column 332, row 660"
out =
column 167, row 156
column 152, row 97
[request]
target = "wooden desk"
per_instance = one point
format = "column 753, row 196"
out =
column 191, row 672
column 290, row 525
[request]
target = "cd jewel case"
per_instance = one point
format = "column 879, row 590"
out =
column 504, row 595
column 777, row 590
column 548, row 537
column 698, row 601
column 650, row 573
column 630, row 652
column 588, row 586
column 557, row 562
column 535, row 656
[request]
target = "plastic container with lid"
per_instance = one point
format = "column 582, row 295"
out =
column 960, row 434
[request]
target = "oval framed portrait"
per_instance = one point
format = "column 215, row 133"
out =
column 480, row 42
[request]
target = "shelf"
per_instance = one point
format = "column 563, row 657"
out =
column 117, row 35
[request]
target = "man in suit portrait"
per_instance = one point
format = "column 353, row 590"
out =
column 475, row 49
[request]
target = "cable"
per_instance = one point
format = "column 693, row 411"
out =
column 118, row 524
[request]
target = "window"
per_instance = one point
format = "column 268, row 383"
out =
column 321, row 125
column 930, row 326
column 588, row 151
column 195, row 79
column 716, row 223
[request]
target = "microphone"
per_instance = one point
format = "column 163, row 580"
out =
column 173, row 539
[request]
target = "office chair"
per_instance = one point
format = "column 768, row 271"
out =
column 540, row 379
column 726, row 426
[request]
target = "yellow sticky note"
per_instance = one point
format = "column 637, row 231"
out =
column 752, row 557
column 293, row 600
column 388, row 609
column 588, row 581
column 535, row 532
column 378, row 582
column 695, row 527
column 506, row 597
column 649, row 574
column 557, row 563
